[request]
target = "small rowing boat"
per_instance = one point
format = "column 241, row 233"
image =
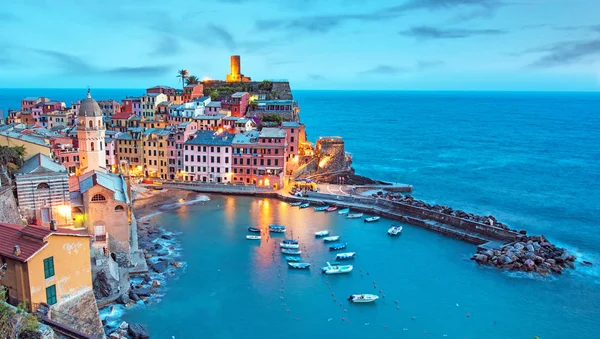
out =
column 322, row 233
column 354, row 216
column 363, row 298
column 289, row 245
column 337, row 269
column 295, row 259
column 395, row 230
column 332, row 238
column 372, row 219
column 345, row 256
column 338, row 246
column 299, row 265
column 344, row 211
column 321, row 208
column 297, row 203
column 290, row 251
column 331, row 209
column 305, row 205
column 253, row 237
column 277, row 228
column 254, row 229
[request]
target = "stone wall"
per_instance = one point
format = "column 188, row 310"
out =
column 9, row 212
column 331, row 155
column 80, row 313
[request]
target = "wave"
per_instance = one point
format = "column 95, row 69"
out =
column 199, row 198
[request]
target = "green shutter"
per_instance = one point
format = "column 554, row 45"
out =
column 48, row 267
column 51, row 295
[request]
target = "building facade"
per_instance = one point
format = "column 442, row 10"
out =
column 149, row 102
column 207, row 157
column 90, row 134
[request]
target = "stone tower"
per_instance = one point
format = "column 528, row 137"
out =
column 235, row 68
column 90, row 133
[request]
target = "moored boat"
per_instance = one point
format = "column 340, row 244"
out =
column 296, row 259
column 253, row 237
column 344, row 211
column 290, row 241
column 395, row 230
column 254, row 229
column 337, row 269
column 338, row 246
column 322, row 233
column 321, row 208
column 297, row 203
column 363, row 298
column 372, row 219
column 290, row 251
column 331, row 209
column 277, row 228
column 354, row 215
column 332, row 238
column 305, row 205
column 299, row 265
column 288, row 245
column 345, row 256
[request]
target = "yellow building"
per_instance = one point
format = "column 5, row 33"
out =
column 33, row 145
column 44, row 265
column 155, row 153
column 128, row 147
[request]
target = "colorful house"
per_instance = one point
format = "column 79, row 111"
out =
column 207, row 157
column 237, row 103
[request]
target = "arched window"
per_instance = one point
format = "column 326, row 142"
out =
column 92, row 146
column 90, row 124
column 98, row 198
column 119, row 208
column 43, row 186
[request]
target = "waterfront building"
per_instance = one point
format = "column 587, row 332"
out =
column 43, row 191
column 237, row 103
column 180, row 134
column 235, row 74
column 155, row 152
column 243, row 156
column 259, row 157
column 129, row 149
column 149, row 103
column 288, row 110
column 90, row 135
column 296, row 135
column 109, row 107
column 192, row 91
column 44, row 265
column 207, row 157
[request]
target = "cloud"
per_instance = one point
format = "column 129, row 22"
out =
column 566, row 52
column 384, row 70
column 223, row 35
column 143, row 71
column 423, row 65
column 168, row 45
column 419, row 66
column 428, row 32
column 593, row 28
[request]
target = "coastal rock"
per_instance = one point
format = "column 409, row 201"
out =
column 480, row 258
column 156, row 283
column 159, row 267
column 177, row 264
column 166, row 236
column 162, row 253
column 519, row 246
column 529, row 264
column 123, row 299
column 158, row 246
column 142, row 292
column 134, row 297
column 147, row 278
column 101, row 286
column 530, row 248
column 551, row 262
column 137, row 331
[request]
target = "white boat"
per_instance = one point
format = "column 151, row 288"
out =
column 253, row 237
column 363, row 298
column 395, row 230
column 288, row 245
column 344, row 211
column 372, row 219
column 354, row 215
column 299, row 265
column 331, row 239
column 298, row 203
column 345, row 256
column 336, row 269
column 323, row 233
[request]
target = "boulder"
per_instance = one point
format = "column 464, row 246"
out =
column 158, row 246
column 507, row 260
column 124, row 325
column 101, row 286
column 166, row 237
column 142, row 292
column 134, row 297
column 551, row 262
column 137, row 331
column 177, row 264
column 156, row 283
column 529, row 264
column 519, row 246
column 123, row 299
column 159, row 267
column 530, row 248
column 162, row 253
column 538, row 260
column 147, row 278
column 480, row 258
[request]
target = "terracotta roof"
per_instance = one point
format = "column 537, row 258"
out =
column 123, row 115
column 30, row 239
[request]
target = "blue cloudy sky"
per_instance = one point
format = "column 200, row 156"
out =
column 321, row 44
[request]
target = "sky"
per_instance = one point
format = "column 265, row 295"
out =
column 545, row 45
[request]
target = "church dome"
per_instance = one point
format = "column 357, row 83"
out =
column 89, row 107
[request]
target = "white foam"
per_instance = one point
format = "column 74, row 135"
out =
column 199, row 198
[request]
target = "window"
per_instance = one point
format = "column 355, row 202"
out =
column 254, row 162
column 218, row 160
column 268, row 162
column 292, row 149
column 226, row 160
column 276, row 162
column 292, row 139
column 119, row 208
column 92, row 146
column 262, row 162
column 212, row 149
column 51, row 295
column 226, row 170
column 276, row 151
column 98, row 198
column 235, row 161
column 218, row 149
column 43, row 186
column 48, row 267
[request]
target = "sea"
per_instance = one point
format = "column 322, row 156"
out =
column 531, row 159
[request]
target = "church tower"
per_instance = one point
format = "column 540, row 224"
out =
column 90, row 133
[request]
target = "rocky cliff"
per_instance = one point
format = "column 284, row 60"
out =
column 9, row 212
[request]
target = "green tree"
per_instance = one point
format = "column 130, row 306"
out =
column 265, row 85
column 271, row 118
column 183, row 74
column 214, row 95
column 11, row 158
column 192, row 80
column 15, row 323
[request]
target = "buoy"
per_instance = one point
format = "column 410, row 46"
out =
column 367, row 273
column 379, row 291
column 383, row 295
column 396, row 301
column 374, row 286
column 468, row 315
column 332, row 293
column 287, row 310
column 340, row 304
column 343, row 319
column 218, row 270
column 413, row 317
column 397, row 307
column 362, row 275
column 330, row 319
column 334, row 299
column 457, row 305
column 345, row 310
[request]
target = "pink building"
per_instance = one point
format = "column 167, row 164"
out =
column 175, row 148
column 132, row 105
column 207, row 157
column 111, row 154
column 166, row 90
column 237, row 104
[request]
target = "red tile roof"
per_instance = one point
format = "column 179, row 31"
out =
column 122, row 115
column 30, row 239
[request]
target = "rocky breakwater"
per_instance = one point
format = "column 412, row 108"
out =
column 532, row 254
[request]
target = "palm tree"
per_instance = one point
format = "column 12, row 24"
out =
column 183, row 74
column 192, row 80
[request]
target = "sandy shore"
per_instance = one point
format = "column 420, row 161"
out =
column 152, row 201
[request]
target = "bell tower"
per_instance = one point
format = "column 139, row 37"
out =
column 90, row 133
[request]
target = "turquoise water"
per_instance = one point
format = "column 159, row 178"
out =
column 530, row 159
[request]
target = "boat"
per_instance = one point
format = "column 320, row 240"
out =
column 277, row 228
column 288, row 245
column 331, row 209
column 338, row 246
column 299, row 265
column 305, row 205
column 345, row 256
column 354, row 215
column 297, row 203
column 337, row 269
column 344, row 211
column 395, row 230
column 331, row 239
column 321, row 208
column 363, row 298
column 292, row 258
column 372, row 219
column 254, row 229
column 322, row 233
column 253, row 237
column 290, row 251
column 290, row 241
